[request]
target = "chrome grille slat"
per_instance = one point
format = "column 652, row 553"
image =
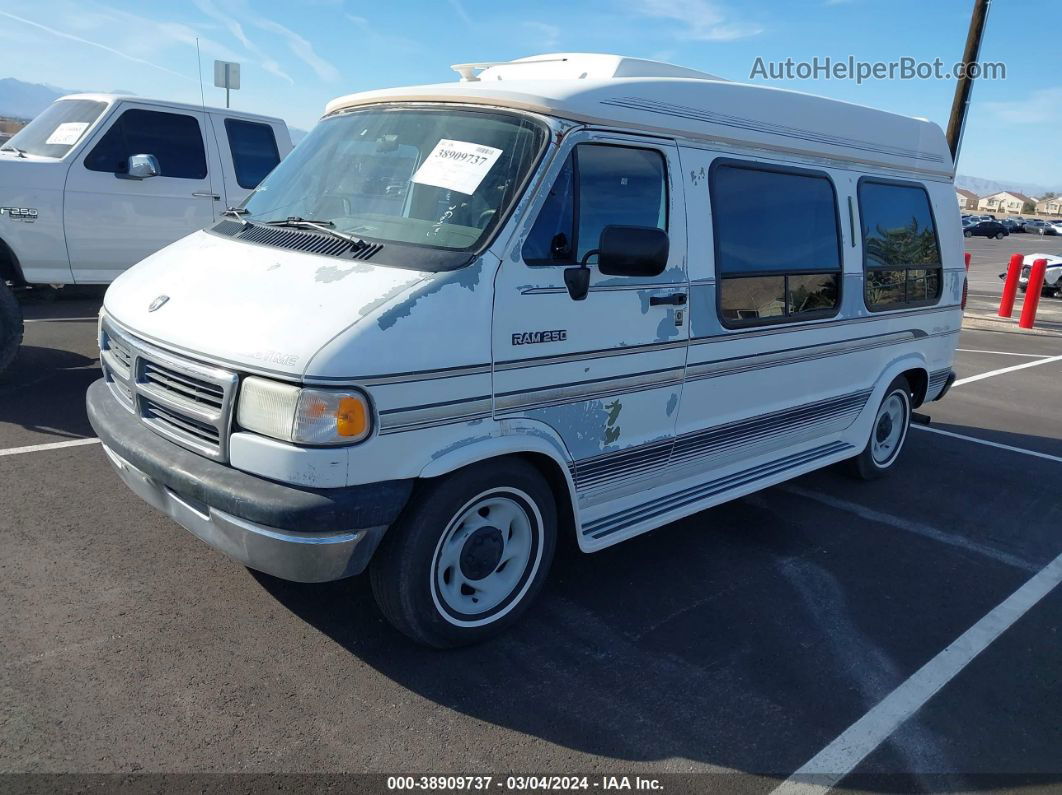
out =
column 185, row 401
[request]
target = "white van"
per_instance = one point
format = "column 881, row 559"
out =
column 97, row 182
column 581, row 294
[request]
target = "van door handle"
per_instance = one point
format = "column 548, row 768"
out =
column 202, row 195
column 675, row 299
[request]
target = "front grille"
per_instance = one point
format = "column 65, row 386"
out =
column 188, row 402
column 194, row 390
column 174, row 423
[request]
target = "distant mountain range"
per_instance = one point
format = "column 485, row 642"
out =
column 984, row 187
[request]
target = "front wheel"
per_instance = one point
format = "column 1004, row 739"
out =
column 999, row 235
column 967, row 233
column 468, row 555
column 11, row 326
column 887, row 434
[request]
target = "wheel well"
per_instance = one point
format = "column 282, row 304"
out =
column 9, row 269
column 554, row 475
column 919, row 381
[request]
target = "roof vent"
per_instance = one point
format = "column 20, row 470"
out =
column 573, row 66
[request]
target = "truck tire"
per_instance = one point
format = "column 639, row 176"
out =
column 11, row 327
column 887, row 435
column 469, row 554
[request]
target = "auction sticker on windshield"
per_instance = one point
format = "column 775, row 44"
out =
column 457, row 165
column 67, row 133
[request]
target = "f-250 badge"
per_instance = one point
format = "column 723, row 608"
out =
column 27, row 214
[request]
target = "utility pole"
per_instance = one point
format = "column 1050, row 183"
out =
column 960, row 105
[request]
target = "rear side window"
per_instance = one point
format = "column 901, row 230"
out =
column 173, row 138
column 600, row 185
column 777, row 244
column 901, row 255
column 254, row 151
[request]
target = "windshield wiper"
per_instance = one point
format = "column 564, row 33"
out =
column 321, row 226
column 15, row 149
column 237, row 213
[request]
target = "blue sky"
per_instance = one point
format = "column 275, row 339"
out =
column 296, row 56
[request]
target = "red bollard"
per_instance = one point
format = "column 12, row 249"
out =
column 967, row 260
column 1032, row 294
column 1010, row 286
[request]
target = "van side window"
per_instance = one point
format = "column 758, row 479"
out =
column 173, row 138
column 777, row 244
column 599, row 185
column 901, row 255
column 254, row 151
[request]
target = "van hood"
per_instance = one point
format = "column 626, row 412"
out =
column 259, row 308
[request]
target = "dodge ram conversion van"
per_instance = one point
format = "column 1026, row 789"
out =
column 97, row 182
column 577, row 294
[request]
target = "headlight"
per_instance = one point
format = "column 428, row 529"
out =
column 303, row 416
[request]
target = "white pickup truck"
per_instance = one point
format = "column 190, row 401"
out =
column 97, row 182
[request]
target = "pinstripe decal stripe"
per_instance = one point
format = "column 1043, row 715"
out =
column 621, row 520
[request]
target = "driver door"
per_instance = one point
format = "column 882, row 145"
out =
column 604, row 373
column 113, row 221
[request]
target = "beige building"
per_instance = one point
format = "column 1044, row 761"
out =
column 1005, row 201
column 967, row 199
column 1049, row 206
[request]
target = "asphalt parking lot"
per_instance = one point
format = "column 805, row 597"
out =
column 744, row 641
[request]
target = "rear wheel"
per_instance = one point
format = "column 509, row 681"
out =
column 967, row 233
column 999, row 235
column 469, row 554
column 11, row 326
column 887, row 434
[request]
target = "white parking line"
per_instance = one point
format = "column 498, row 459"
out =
column 1005, row 353
column 859, row 740
column 999, row 445
column 1011, row 369
column 907, row 525
column 36, row 448
column 59, row 319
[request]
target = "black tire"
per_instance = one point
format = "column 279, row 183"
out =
column 967, row 233
column 999, row 235
column 11, row 326
column 869, row 465
column 411, row 580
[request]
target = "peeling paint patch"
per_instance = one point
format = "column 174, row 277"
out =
column 672, row 402
column 273, row 267
column 580, row 425
column 467, row 278
column 667, row 327
column 333, row 273
column 612, row 430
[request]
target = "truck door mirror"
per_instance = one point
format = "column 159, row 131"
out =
column 142, row 167
column 632, row 251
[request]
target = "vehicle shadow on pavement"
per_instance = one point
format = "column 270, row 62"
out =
column 44, row 390
column 744, row 637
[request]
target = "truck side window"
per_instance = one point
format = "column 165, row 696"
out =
column 901, row 255
column 254, row 151
column 173, row 138
column 777, row 244
column 599, row 185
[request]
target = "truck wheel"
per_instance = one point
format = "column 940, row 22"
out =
column 468, row 555
column 11, row 326
column 887, row 434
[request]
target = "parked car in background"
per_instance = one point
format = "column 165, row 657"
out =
column 986, row 229
column 1013, row 225
column 1052, row 276
column 1034, row 225
column 97, row 182
column 1053, row 227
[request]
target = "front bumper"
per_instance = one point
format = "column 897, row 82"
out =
column 306, row 535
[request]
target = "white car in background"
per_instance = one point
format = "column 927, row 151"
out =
column 1053, row 276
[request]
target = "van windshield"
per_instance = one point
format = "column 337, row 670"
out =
column 57, row 128
column 442, row 178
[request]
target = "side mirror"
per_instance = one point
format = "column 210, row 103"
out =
column 632, row 251
column 142, row 167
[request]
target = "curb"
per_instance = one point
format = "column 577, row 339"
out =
column 993, row 323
